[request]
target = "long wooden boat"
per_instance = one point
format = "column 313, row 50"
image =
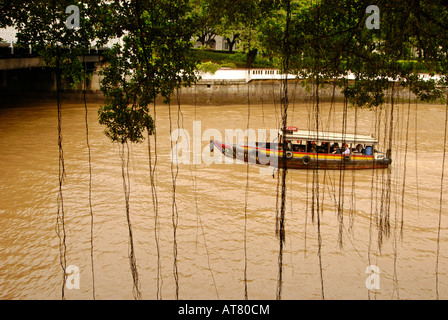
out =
column 310, row 150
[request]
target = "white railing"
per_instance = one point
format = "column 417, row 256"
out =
column 246, row 75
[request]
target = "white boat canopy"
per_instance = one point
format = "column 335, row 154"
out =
column 329, row 137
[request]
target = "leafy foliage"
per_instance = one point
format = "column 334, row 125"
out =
column 154, row 60
column 330, row 39
column 209, row 67
column 42, row 25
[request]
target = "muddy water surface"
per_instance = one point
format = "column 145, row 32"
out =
column 211, row 201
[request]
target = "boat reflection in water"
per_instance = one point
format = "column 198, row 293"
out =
column 310, row 150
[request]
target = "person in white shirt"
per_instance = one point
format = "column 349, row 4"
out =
column 346, row 150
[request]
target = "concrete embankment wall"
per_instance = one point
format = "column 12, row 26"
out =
column 255, row 91
column 226, row 87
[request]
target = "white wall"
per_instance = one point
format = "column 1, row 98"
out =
column 245, row 75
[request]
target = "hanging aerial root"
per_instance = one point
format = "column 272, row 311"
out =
column 124, row 155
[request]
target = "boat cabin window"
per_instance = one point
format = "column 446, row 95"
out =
column 317, row 147
column 326, row 143
column 326, row 147
column 359, row 148
column 296, row 146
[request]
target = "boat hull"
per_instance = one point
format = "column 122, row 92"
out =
column 300, row 160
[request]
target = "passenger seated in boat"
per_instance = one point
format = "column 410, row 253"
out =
column 323, row 148
column 301, row 148
column 346, row 150
column 359, row 148
column 311, row 147
column 335, row 148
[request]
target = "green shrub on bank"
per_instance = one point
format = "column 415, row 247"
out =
column 228, row 65
column 208, row 67
column 419, row 66
column 230, row 60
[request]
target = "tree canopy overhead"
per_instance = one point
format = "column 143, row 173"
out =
column 326, row 38
column 154, row 60
column 331, row 39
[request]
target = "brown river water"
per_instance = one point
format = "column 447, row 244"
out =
column 212, row 231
